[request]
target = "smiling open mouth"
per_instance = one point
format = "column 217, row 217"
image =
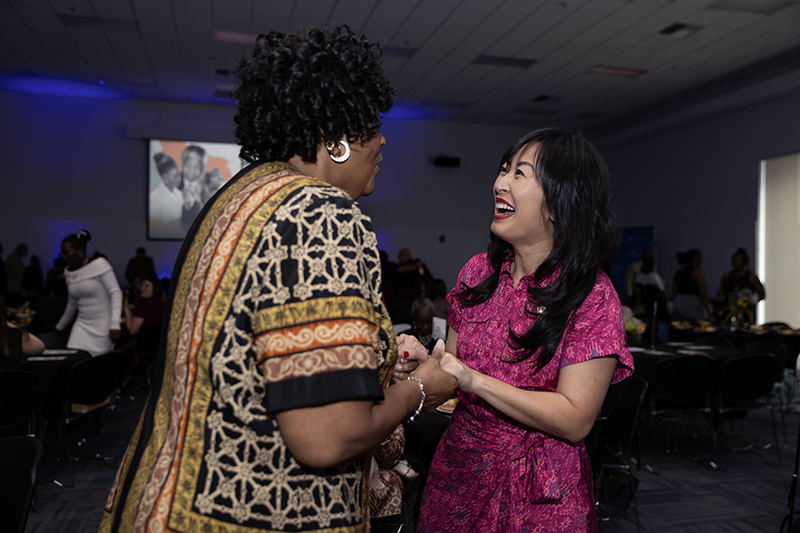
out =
column 502, row 209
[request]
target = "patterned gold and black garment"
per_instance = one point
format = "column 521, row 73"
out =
column 275, row 304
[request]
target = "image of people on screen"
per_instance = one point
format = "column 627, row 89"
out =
column 166, row 200
column 184, row 176
column 195, row 161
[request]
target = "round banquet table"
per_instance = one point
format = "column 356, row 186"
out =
column 740, row 337
column 52, row 368
column 644, row 359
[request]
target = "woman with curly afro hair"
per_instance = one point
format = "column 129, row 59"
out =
column 271, row 408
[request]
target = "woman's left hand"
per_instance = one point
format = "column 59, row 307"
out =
column 403, row 368
column 114, row 334
column 411, row 354
column 409, row 347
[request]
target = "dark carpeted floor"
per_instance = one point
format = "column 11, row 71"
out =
column 745, row 494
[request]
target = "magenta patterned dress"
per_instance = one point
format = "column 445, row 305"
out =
column 491, row 473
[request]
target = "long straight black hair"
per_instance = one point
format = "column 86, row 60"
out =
column 579, row 199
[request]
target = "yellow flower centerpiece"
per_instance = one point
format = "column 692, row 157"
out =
column 738, row 311
column 634, row 328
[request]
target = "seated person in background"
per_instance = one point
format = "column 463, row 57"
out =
column 741, row 281
column 422, row 311
column 146, row 317
column 412, row 272
column 438, row 292
column 410, row 277
column 15, row 343
column 141, row 266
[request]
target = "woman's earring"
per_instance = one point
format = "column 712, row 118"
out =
column 339, row 158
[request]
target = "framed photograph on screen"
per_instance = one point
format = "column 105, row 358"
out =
column 182, row 177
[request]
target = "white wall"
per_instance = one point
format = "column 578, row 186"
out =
column 71, row 163
column 781, row 237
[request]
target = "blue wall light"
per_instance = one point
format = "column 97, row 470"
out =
column 61, row 87
column 408, row 112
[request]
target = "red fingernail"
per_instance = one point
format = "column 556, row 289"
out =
column 405, row 354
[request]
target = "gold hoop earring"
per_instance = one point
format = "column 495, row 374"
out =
column 339, row 158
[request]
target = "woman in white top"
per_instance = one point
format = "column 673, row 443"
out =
column 648, row 275
column 95, row 296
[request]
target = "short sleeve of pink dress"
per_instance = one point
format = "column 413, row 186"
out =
column 491, row 473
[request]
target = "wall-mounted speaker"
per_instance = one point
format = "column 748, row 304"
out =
column 446, row 161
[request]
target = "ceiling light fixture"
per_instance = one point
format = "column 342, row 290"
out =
column 234, row 37
column 759, row 7
column 542, row 98
column 616, row 71
column 499, row 61
column 679, row 30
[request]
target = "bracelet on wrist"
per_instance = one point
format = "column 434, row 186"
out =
column 422, row 399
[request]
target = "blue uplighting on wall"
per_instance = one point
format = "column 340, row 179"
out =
column 408, row 112
column 61, row 87
column 386, row 240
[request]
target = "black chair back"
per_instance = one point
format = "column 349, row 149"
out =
column 623, row 413
column 92, row 381
column 19, row 461
column 19, row 399
column 775, row 347
column 746, row 378
column 148, row 338
column 595, row 444
column 683, row 379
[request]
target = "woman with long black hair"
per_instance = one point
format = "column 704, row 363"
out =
column 537, row 337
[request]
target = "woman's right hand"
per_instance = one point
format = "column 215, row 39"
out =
column 439, row 385
column 461, row 372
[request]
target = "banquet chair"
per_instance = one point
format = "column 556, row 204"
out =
column 19, row 400
column 142, row 352
column 595, row 444
column 19, row 461
column 622, row 454
column 714, row 339
column 92, row 387
column 781, row 390
column 680, row 388
column 742, row 381
column 401, row 328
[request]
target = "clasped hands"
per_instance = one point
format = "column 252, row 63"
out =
column 441, row 372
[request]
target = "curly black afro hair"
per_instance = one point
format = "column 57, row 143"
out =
column 299, row 89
